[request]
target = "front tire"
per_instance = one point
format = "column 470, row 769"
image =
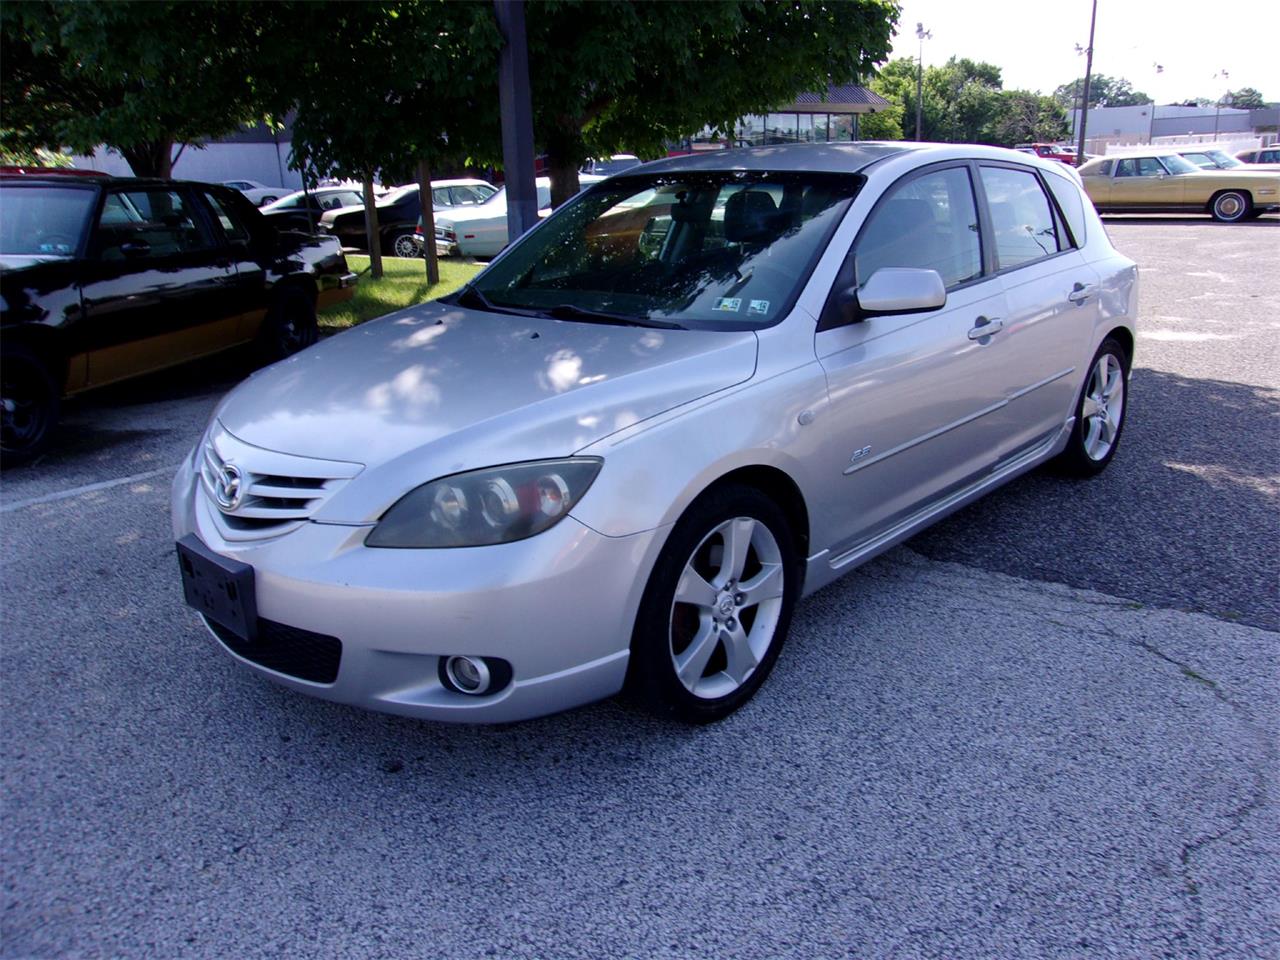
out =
column 29, row 400
column 1231, row 206
column 717, row 607
column 1100, row 413
column 290, row 326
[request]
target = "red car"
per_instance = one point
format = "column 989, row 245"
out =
column 1050, row 150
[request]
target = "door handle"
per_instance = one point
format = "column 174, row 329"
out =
column 1080, row 292
column 985, row 327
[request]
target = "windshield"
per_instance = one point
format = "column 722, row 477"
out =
column 1176, row 164
column 727, row 250
column 43, row 221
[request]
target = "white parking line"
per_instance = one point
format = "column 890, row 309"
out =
column 87, row 488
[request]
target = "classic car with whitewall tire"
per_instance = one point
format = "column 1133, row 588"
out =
column 104, row 279
column 695, row 393
column 1169, row 183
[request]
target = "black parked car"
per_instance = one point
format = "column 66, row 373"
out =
column 302, row 211
column 104, row 278
column 399, row 213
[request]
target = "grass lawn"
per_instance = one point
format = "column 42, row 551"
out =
column 404, row 283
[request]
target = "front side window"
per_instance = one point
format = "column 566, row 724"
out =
column 1139, row 167
column 929, row 222
column 724, row 250
column 1021, row 217
column 149, row 224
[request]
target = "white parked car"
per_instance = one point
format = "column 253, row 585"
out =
column 481, row 231
column 259, row 194
column 689, row 397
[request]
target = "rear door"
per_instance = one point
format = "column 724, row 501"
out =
column 159, row 287
column 912, row 395
column 1051, row 300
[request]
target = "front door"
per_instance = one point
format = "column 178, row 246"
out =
column 912, row 396
column 1143, row 182
column 158, row 289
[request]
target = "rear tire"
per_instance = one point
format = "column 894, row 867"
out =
column 1231, row 206
column 403, row 245
column 1100, row 413
column 290, row 326
column 717, row 607
column 29, row 400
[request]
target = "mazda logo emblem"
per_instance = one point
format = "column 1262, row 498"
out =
column 228, row 489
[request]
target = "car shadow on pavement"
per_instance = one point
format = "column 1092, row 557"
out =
column 1185, row 516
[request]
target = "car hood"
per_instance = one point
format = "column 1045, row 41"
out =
column 438, row 389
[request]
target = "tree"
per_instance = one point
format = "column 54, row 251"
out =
column 411, row 86
column 884, row 124
column 137, row 76
column 1104, row 91
column 641, row 75
column 1246, row 98
column 964, row 102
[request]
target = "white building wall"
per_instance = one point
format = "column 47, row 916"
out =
column 214, row 163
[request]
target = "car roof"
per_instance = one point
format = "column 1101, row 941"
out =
column 816, row 157
column 463, row 182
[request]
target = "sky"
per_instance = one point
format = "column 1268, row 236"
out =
column 1033, row 42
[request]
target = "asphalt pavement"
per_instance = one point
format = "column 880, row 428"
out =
column 1047, row 728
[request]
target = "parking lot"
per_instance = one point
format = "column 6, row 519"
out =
column 1045, row 728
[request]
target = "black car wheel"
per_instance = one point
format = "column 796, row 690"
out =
column 1100, row 413
column 290, row 325
column 403, row 245
column 717, row 607
column 28, row 406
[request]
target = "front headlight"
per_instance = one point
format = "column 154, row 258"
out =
column 483, row 507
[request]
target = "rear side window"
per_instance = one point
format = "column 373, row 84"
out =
column 1068, row 196
column 1104, row 170
column 234, row 230
column 1021, row 216
column 929, row 222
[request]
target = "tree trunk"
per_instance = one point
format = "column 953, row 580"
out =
column 564, row 154
column 371, row 229
column 428, row 223
column 564, row 179
column 151, row 158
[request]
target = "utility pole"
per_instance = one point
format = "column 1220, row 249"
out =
column 1088, row 75
column 516, row 111
column 1217, row 108
column 922, row 34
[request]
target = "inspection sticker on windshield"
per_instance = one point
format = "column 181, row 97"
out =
column 728, row 304
column 758, row 308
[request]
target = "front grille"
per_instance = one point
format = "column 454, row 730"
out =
column 278, row 491
column 288, row 650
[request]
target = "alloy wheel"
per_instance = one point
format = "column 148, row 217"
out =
column 727, row 605
column 1103, row 407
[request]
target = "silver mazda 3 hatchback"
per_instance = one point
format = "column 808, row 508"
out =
column 701, row 390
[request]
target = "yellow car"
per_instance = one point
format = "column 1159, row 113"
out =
column 1167, row 183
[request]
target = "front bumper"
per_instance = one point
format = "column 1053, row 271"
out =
column 559, row 607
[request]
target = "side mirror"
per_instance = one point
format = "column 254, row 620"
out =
column 894, row 290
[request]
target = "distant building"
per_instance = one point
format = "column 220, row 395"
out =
column 1149, row 122
column 813, row 118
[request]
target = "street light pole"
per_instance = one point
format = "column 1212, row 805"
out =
column 1088, row 75
column 1217, row 108
column 922, row 34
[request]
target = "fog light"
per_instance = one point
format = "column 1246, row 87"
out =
column 467, row 674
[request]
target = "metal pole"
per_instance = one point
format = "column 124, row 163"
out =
column 919, row 88
column 516, row 111
column 1088, row 75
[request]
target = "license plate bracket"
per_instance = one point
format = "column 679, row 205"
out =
column 220, row 588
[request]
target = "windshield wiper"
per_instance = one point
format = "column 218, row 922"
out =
column 569, row 311
column 469, row 296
